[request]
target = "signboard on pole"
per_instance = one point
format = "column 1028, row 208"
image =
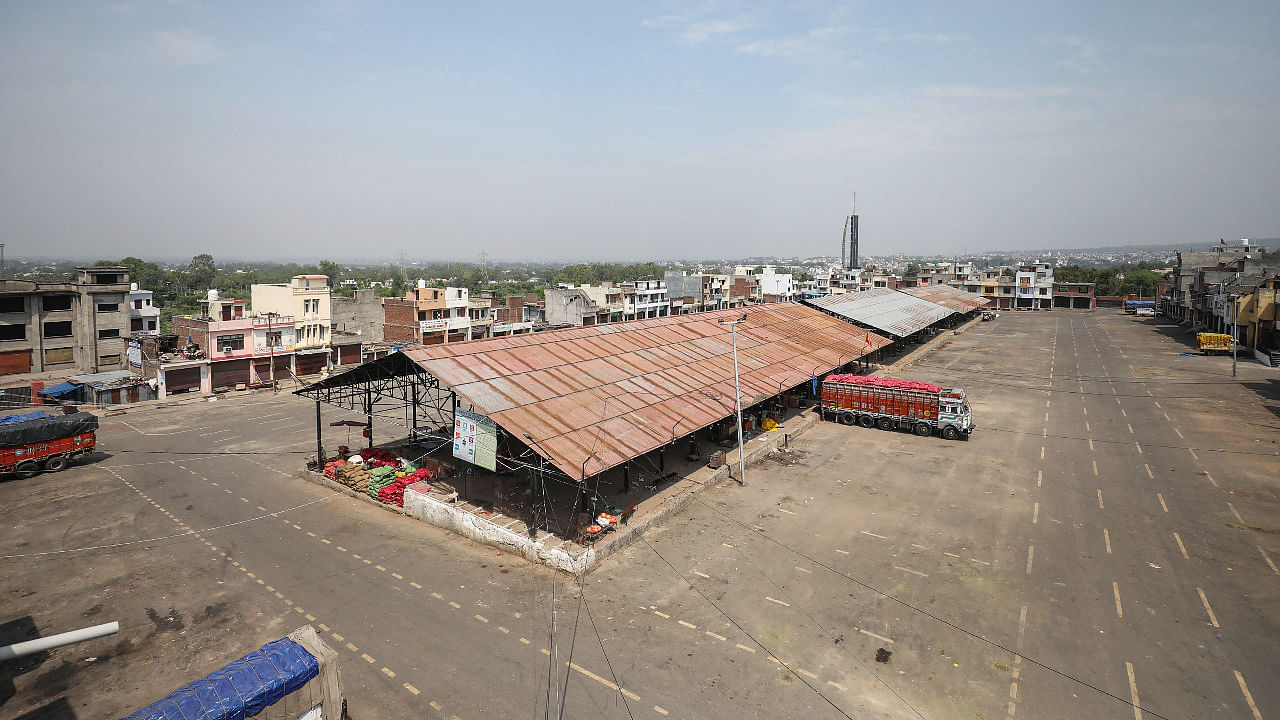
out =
column 475, row 439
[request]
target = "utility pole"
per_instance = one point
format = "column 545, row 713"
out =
column 1235, row 307
column 737, row 398
column 271, row 348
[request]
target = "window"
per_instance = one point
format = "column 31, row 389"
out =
column 273, row 338
column 106, row 279
column 235, row 342
column 137, row 304
column 53, row 303
column 108, row 333
column 108, row 360
column 321, row 331
column 57, row 329
column 52, row 356
column 13, row 304
column 108, row 307
column 13, row 332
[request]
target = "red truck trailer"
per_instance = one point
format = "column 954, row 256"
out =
column 890, row 404
column 36, row 442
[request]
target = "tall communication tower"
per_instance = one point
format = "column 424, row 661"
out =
column 849, row 241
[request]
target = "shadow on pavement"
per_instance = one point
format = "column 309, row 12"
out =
column 15, row 631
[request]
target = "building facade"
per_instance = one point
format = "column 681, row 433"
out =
column 306, row 299
column 73, row 327
column 144, row 316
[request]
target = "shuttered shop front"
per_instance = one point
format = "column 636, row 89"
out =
column 310, row 364
column 182, row 379
column 15, row 361
column 229, row 373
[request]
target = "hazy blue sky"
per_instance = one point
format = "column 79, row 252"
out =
column 621, row 131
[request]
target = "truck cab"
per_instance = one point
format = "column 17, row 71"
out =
column 955, row 419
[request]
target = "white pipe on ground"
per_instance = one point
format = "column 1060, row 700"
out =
column 32, row 647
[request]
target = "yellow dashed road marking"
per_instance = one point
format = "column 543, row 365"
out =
column 337, row 637
column 1212, row 618
column 1133, row 692
column 836, row 685
column 397, row 576
column 1115, row 589
column 1106, row 539
column 1233, row 512
column 662, row 615
column 784, row 604
column 659, row 710
column 352, row 648
column 366, row 658
column 481, row 618
column 913, row 572
column 455, row 605
column 718, row 637
column 1270, row 564
column 1182, row 548
column 411, row 688
column 1162, row 505
column 868, row 633
column 691, row 626
column 1247, row 697
column 701, row 574
column 868, row 532
column 388, row 672
column 748, row 649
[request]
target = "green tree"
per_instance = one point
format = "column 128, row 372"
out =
column 203, row 270
column 913, row 270
column 333, row 270
column 1008, row 272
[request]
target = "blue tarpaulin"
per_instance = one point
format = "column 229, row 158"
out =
column 60, row 389
column 240, row 690
column 9, row 419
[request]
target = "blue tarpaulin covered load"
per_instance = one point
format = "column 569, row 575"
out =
column 242, row 689
column 10, row 419
column 66, row 388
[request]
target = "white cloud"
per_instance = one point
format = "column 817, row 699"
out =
column 1085, row 56
column 888, row 36
column 817, row 42
column 979, row 92
column 182, row 46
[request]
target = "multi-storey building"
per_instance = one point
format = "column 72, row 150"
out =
column 645, row 299
column 428, row 316
column 65, row 327
column 306, row 299
column 144, row 316
column 224, row 347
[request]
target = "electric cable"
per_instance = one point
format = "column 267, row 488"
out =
column 920, row 611
column 744, row 631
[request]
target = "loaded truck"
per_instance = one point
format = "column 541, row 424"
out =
column 36, row 441
column 1210, row 343
column 1132, row 306
column 889, row 404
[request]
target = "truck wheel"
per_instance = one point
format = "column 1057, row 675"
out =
column 885, row 423
column 846, row 418
column 923, row 430
column 866, row 421
column 55, row 463
column 950, row 432
column 26, row 469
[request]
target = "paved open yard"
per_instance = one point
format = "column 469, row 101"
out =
column 1104, row 546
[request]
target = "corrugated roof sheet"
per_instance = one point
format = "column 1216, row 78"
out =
column 959, row 300
column 604, row 394
column 883, row 309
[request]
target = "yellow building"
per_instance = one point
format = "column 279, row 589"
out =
column 306, row 299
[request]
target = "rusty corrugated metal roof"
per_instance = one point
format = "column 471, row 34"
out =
column 605, row 394
column 959, row 300
column 888, row 310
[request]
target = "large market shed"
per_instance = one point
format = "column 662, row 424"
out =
column 888, row 311
column 592, row 398
column 958, row 300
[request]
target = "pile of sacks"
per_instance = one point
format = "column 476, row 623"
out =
column 381, row 474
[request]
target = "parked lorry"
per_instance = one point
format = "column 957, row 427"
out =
column 1132, row 306
column 890, row 404
column 1210, row 343
column 36, row 441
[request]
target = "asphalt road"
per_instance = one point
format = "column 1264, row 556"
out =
column 1105, row 541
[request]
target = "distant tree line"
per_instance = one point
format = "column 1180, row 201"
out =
column 1128, row 279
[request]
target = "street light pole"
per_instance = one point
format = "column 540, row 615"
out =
column 737, row 398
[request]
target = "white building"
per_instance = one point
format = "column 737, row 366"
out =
column 144, row 316
column 646, row 299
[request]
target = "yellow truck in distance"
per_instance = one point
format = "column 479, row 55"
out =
column 1210, row 343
